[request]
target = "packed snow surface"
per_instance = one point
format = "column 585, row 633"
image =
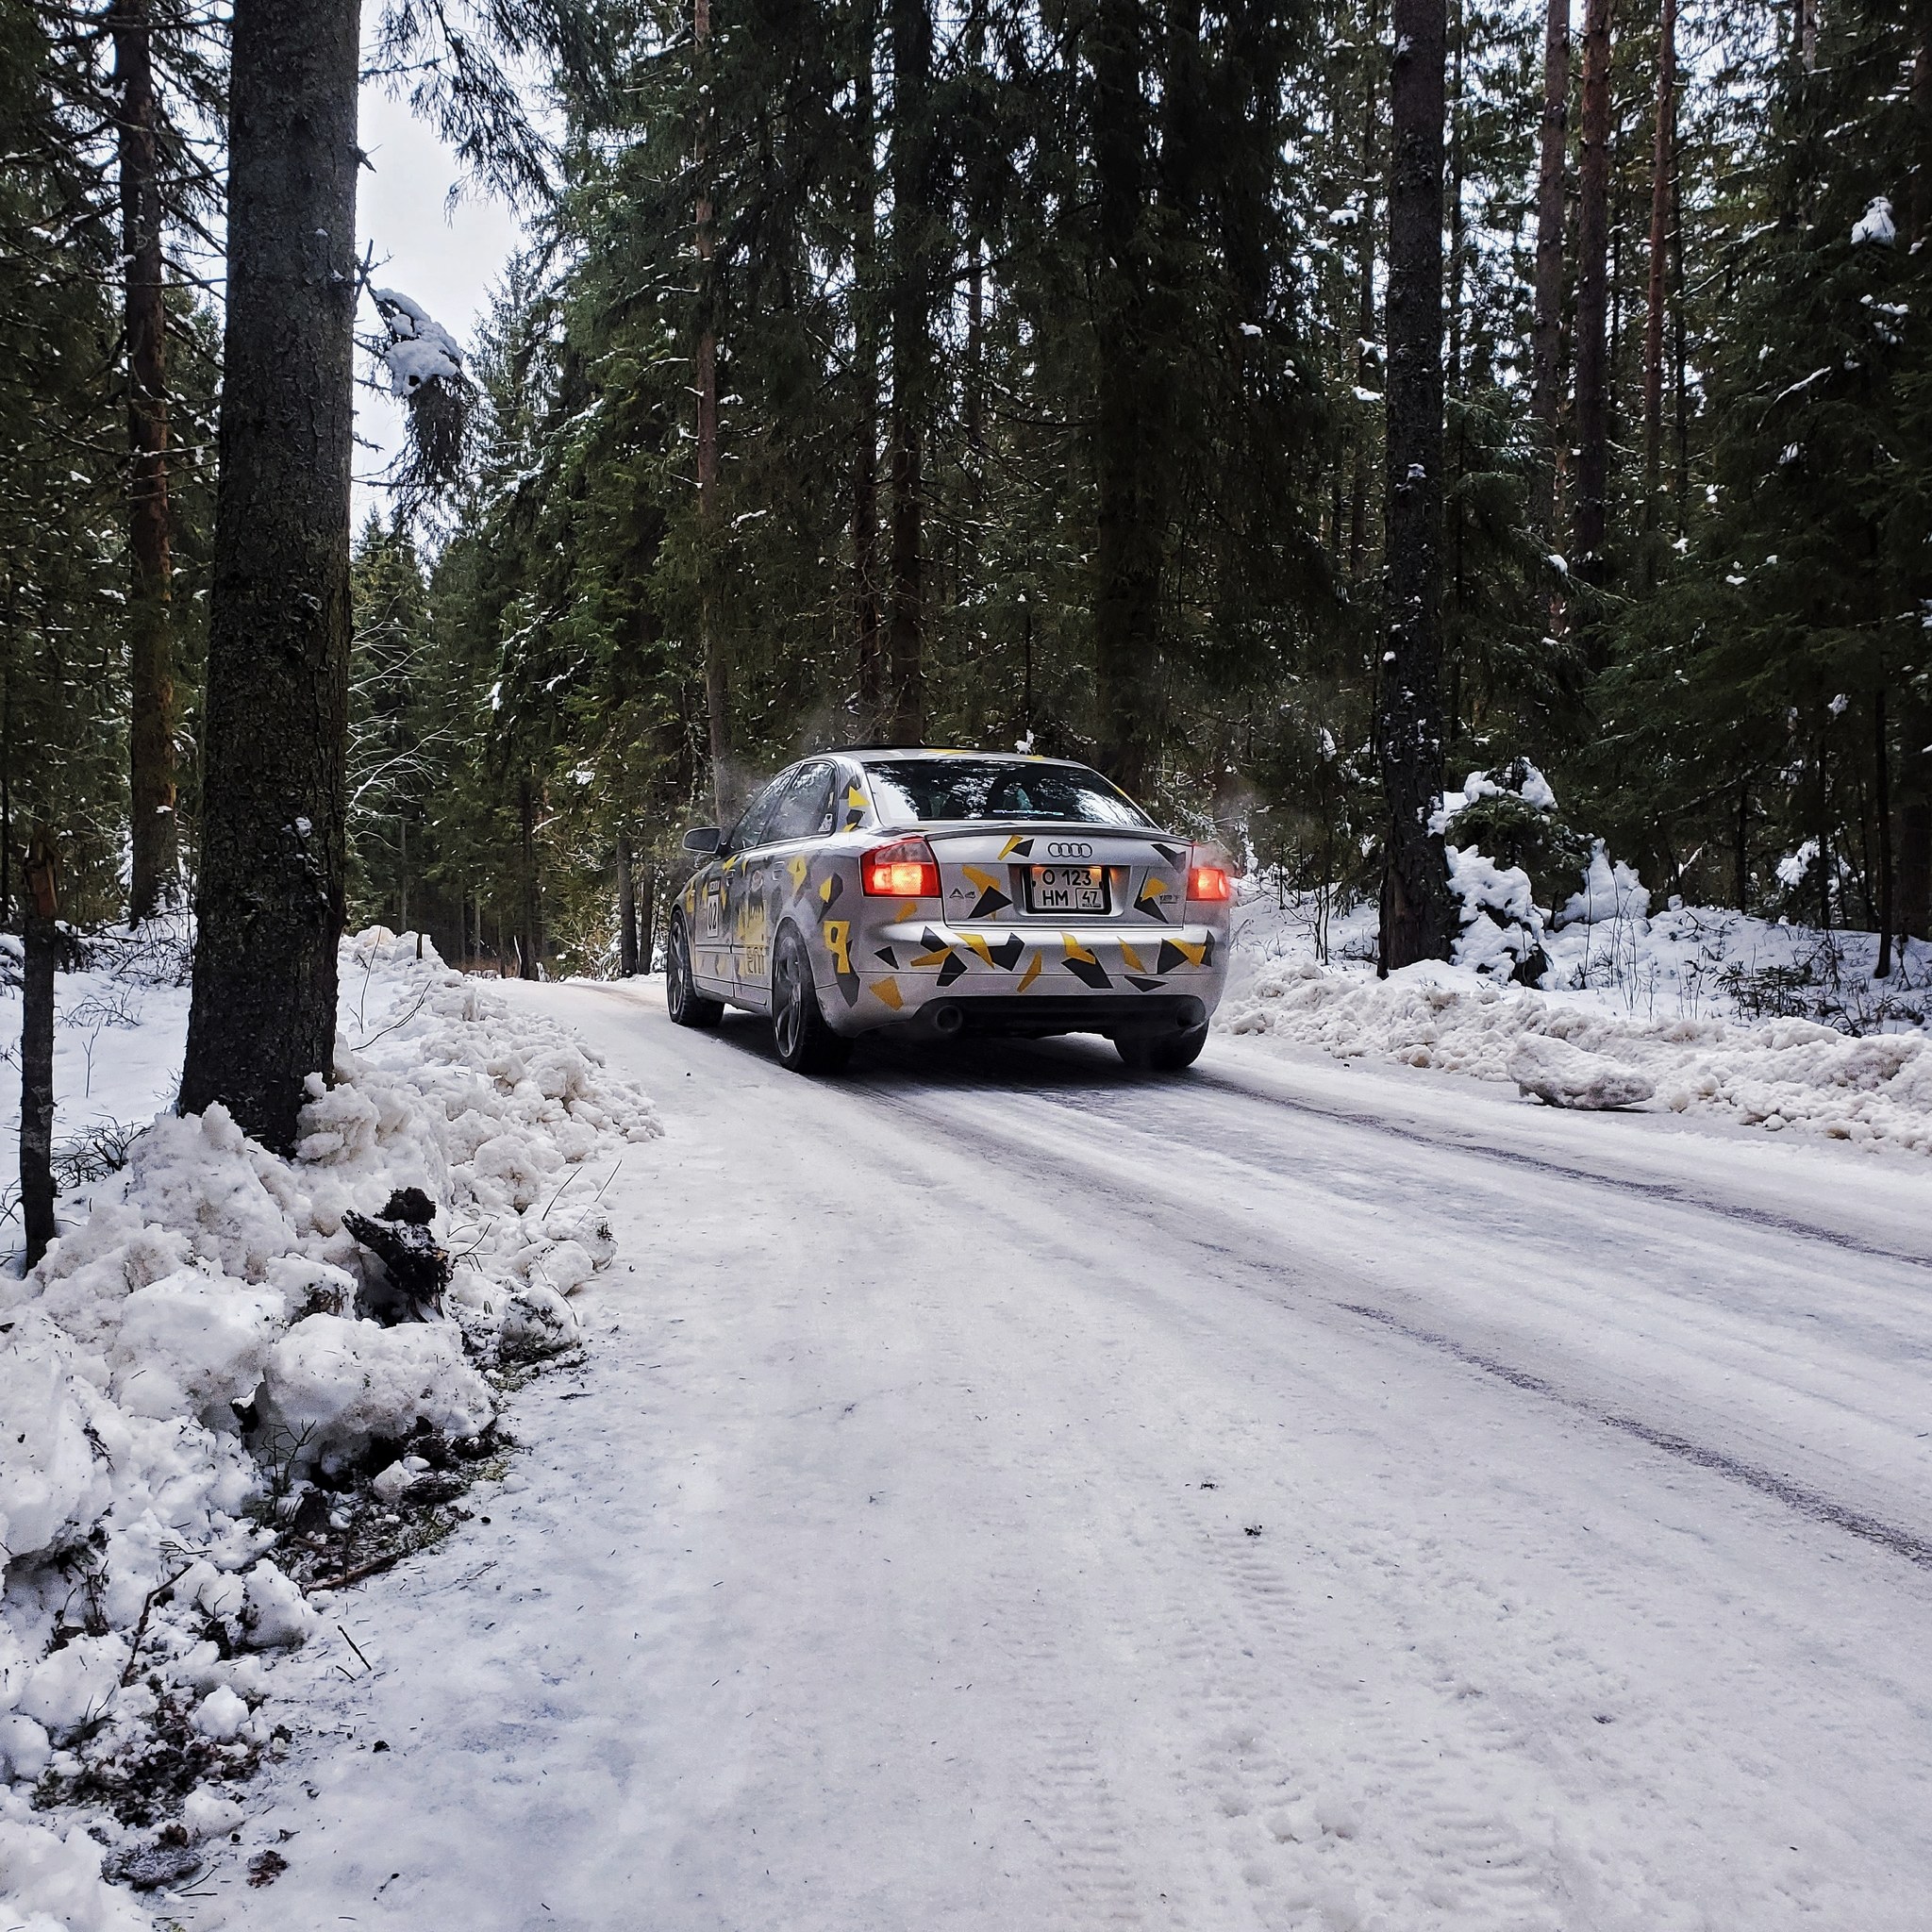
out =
column 193, row 1345
column 1305, row 1494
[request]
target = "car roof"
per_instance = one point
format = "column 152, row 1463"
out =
column 881, row 754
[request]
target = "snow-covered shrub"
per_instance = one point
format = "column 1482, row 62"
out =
column 1506, row 844
column 1502, row 928
column 1511, row 815
column 1612, row 890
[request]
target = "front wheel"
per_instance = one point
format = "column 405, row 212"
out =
column 1161, row 1053
column 686, row 1004
column 805, row 1044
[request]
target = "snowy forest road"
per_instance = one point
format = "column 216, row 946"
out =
column 1010, row 1493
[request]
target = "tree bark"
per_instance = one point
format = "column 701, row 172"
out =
column 530, row 894
column 912, row 352
column 1914, row 912
column 710, row 639
column 1546, row 385
column 626, row 910
column 1593, row 296
column 1416, row 922
column 647, row 921
column 40, row 932
column 865, row 331
column 1740, row 846
column 270, row 900
column 1881, row 760
column 1129, row 538
column 1663, row 164
column 1365, row 329
column 150, row 655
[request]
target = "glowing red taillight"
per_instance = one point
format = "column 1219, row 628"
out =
column 1209, row 884
column 905, row 869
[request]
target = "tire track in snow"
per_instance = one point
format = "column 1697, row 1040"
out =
column 1872, row 1529
column 1669, row 1192
column 1063, row 1164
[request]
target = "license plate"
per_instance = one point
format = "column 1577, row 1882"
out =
column 1066, row 889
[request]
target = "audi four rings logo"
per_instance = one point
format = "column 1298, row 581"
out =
column 1069, row 848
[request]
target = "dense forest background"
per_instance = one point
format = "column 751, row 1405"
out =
column 1014, row 373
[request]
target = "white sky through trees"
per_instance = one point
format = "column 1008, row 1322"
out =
column 444, row 259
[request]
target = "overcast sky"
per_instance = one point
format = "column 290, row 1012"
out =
column 446, row 262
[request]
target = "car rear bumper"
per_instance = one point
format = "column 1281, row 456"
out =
column 1034, row 979
column 1031, row 1017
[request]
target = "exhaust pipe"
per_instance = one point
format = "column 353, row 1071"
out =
column 947, row 1020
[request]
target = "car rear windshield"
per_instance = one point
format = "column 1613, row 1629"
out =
column 942, row 789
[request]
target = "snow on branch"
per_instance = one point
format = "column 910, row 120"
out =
column 426, row 371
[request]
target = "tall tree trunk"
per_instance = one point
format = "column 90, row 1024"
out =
column 647, row 919
column 911, row 351
column 626, row 910
column 1740, row 846
column 6, row 800
column 1881, row 761
column 865, row 331
column 530, row 895
column 269, row 905
column 1680, row 407
column 1127, row 548
column 1364, row 324
column 710, row 641
column 1546, row 384
column 1914, row 913
column 1593, row 296
column 42, row 935
column 150, row 654
column 1416, row 922
column 1663, row 165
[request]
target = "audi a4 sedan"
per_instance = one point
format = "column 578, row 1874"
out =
column 948, row 893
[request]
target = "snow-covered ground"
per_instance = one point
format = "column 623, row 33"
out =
column 1318, row 1494
column 1678, row 1000
column 199, row 1416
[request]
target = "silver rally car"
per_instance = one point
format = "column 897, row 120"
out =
column 951, row 893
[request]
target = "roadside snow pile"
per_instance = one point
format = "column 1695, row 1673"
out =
column 1787, row 1073
column 191, row 1382
column 1564, row 1076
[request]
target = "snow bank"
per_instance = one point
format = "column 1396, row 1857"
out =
column 196, row 1347
column 52, row 1883
column 1789, row 1074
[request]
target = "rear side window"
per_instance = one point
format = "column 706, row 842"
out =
column 806, row 810
column 942, row 789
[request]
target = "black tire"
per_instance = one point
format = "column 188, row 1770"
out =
column 1161, row 1053
column 686, row 1004
column 805, row 1042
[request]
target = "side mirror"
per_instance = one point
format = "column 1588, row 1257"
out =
column 705, row 839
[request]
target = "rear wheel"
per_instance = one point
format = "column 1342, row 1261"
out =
column 1161, row 1053
column 686, row 1004
column 805, row 1044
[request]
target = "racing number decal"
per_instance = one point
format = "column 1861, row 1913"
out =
column 711, row 910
